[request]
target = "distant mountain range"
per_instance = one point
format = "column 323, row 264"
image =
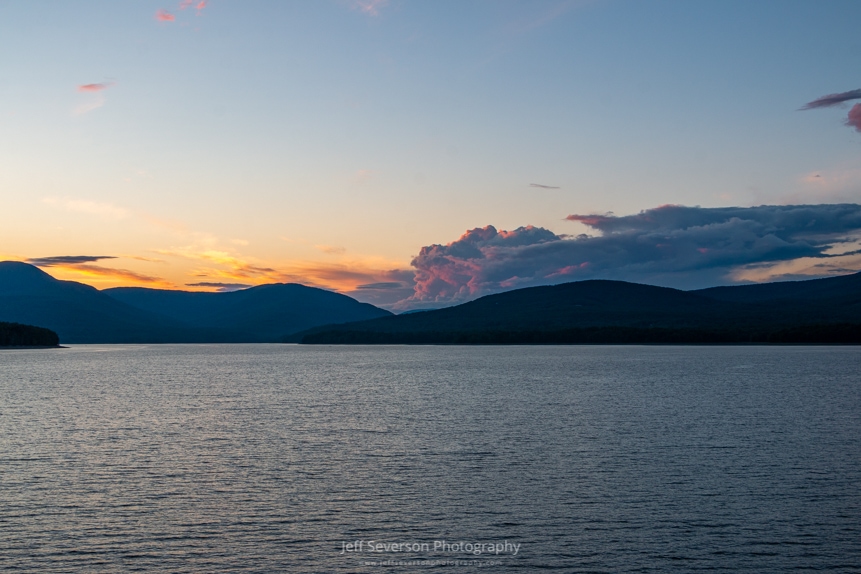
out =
column 814, row 311
column 819, row 310
column 79, row 313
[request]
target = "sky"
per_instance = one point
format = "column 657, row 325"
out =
column 418, row 153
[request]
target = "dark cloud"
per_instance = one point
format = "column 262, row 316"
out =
column 220, row 287
column 672, row 245
column 854, row 119
column 832, row 100
column 66, row 260
column 542, row 186
column 385, row 288
column 383, row 285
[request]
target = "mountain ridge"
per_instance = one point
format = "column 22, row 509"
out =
column 618, row 311
column 82, row 314
column 594, row 310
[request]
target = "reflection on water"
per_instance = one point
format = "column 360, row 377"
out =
column 266, row 458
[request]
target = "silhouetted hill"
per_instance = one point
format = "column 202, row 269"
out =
column 18, row 335
column 82, row 314
column 78, row 313
column 844, row 287
column 259, row 314
column 619, row 312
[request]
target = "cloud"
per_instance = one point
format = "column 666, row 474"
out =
column 88, row 107
column 95, row 87
column 105, row 210
column 95, row 101
column 346, row 277
column 363, row 175
column 66, row 260
column 832, row 100
column 125, row 275
column 672, row 245
column 854, row 119
column 386, row 289
column 542, row 186
column 81, row 265
column 199, row 5
column 331, row 249
column 383, row 285
column 371, row 7
column 164, row 16
column 220, row 287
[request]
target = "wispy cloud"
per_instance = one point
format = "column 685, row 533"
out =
column 832, row 100
column 96, row 97
column 854, row 117
column 230, row 266
column 67, row 260
column 105, row 210
column 543, row 186
column 362, row 279
column 331, row 249
column 543, row 17
column 199, row 5
column 89, row 106
column 83, row 265
column 220, row 287
column 363, row 175
column 370, row 7
column 95, row 87
column 837, row 184
column 147, row 259
column 125, row 275
column 164, row 16
column 384, row 285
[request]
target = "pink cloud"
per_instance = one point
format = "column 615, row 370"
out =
column 198, row 4
column 164, row 16
column 371, row 7
column 854, row 119
column 670, row 245
column 95, row 87
column 468, row 267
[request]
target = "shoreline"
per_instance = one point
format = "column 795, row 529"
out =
column 20, row 347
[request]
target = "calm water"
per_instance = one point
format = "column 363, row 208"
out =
column 268, row 458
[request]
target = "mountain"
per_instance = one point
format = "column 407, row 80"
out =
column 619, row 312
column 259, row 314
column 846, row 288
column 77, row 313
column 82, row 314
column 595, row 311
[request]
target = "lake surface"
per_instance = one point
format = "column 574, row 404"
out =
column 278, row 458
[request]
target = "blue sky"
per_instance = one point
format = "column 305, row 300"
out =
column 328, row 142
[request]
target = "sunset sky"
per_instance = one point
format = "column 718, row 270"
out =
column 367, row 146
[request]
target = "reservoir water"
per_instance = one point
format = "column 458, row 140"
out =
column 279, row 458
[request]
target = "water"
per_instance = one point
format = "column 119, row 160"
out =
column 273, row 458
